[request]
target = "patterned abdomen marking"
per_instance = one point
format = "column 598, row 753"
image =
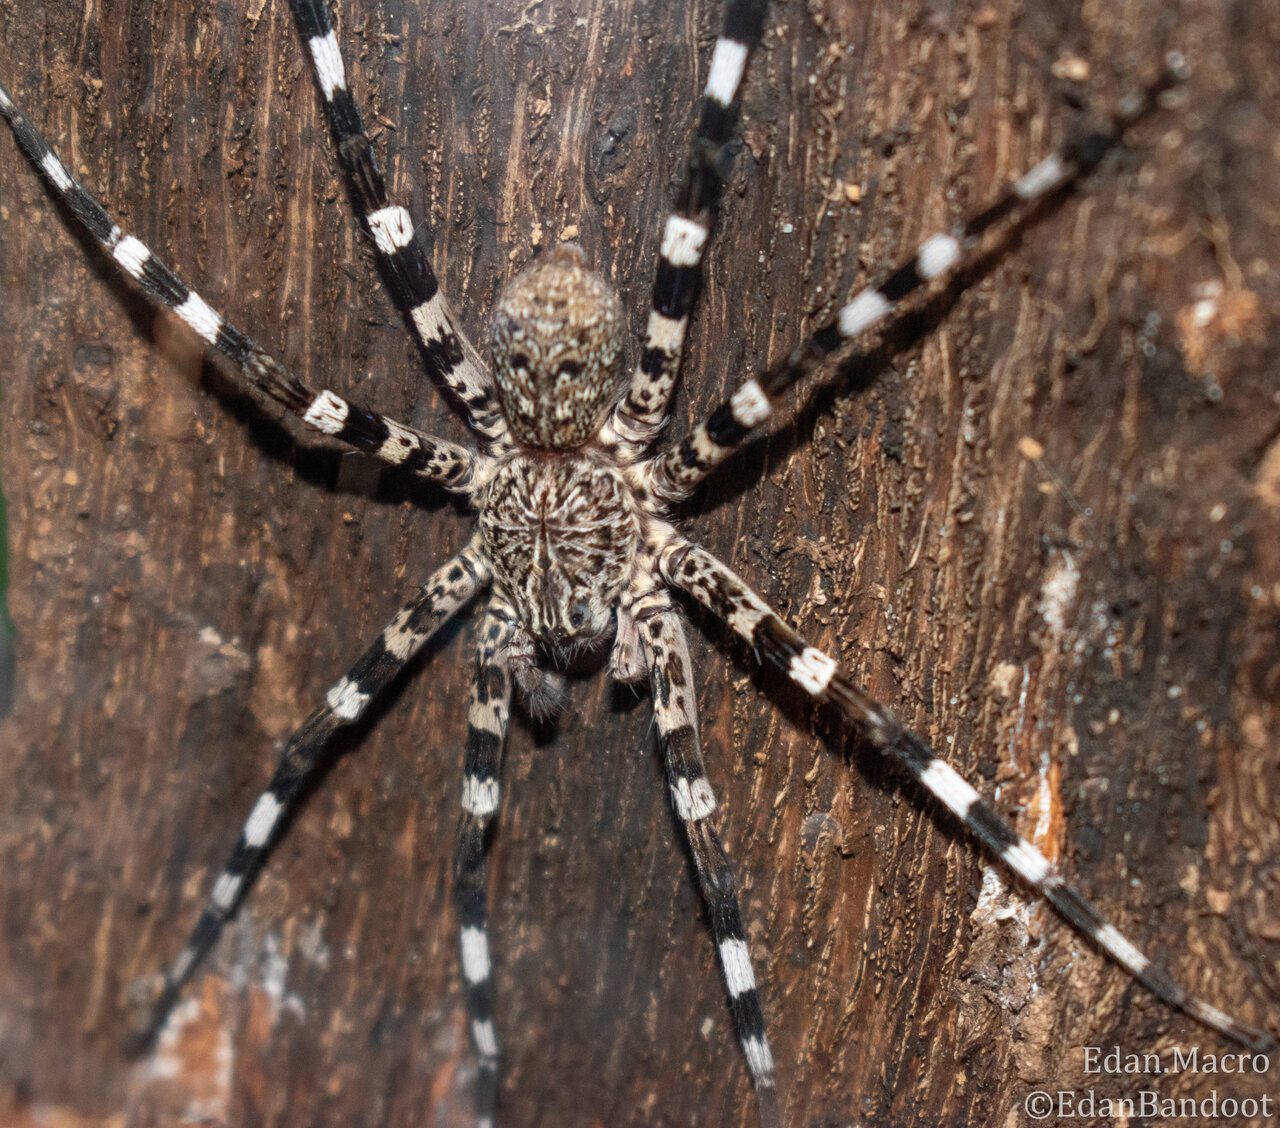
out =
column 557, row 351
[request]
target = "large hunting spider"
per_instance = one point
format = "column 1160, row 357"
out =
column 576, row 478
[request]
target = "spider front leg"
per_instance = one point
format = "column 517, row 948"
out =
column 666, row 652
column 487, row 717
column 440, row 598
column 713, row 584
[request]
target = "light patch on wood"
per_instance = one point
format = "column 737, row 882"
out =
column 190, row 1072
column 1214, row 327
column 1058, row 593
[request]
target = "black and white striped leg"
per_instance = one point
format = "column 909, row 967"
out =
column 447, row 590
column 450, row 357
column 487, row 718
column 666, row 652
column 679, row 470
column 694, row 570
column 436, row 459
column 641, row 414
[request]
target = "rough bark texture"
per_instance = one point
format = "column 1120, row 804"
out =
column 1046, row 531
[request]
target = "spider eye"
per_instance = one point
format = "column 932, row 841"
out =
column 568, row 370
column 519, row 361
column 579, row 614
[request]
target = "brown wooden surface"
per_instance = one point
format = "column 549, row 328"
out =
column 1090, row 636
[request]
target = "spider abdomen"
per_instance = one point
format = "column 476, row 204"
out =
column 557, row 351
column 561, row 531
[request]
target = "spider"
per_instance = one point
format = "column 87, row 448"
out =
column 347, row 698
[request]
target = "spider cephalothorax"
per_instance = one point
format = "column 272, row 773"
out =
column 561, row 532
column 569, row 534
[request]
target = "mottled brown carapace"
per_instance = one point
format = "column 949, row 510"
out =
column 561, row 531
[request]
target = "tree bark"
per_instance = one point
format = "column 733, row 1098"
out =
column 1045, row 531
